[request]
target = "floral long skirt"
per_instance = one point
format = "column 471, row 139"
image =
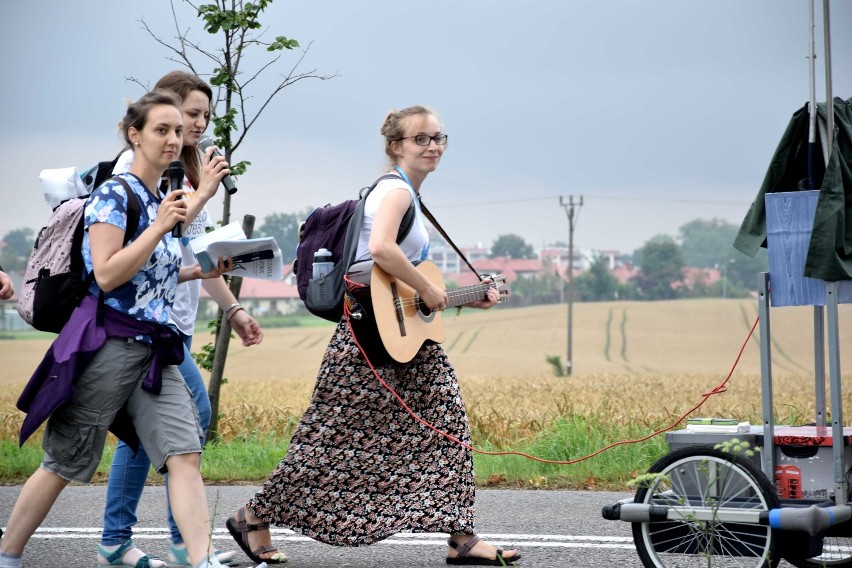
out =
column 360, row 468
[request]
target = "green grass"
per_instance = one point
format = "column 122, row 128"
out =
column 299, row 319
column 574, row 438
column 566, row 438
column 9, row 334
column 234, row 462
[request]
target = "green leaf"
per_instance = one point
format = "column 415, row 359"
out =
column 282, row 42
column 239, row 168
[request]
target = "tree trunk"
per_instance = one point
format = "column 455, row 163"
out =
column 223, row 340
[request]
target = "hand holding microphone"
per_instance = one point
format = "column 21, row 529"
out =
column 205, row 142
column 176, row 173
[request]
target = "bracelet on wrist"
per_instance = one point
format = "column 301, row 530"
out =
column 232, row 307
column 237, row 309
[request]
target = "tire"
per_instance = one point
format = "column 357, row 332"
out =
column 701, row 476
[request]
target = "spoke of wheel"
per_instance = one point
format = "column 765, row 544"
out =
column 725, row 543
column 676, row 538
column 713, row 482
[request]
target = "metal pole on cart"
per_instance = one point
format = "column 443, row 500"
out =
column 829, row 99
column 819, row 311
column 831, row 288
column 767, row 456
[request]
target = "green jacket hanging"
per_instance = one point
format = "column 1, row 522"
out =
column 830, row 249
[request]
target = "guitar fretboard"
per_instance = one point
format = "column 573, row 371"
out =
column 462, row 296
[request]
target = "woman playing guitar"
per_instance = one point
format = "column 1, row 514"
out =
column 359, row 468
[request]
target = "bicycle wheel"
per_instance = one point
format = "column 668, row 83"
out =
column 698, row 476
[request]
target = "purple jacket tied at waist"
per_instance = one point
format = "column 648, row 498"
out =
column 78, row 343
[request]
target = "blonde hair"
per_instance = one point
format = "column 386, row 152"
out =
column 393, row 130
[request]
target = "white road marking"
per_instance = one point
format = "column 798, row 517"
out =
column 406, row 539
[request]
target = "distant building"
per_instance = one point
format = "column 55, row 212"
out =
column 624, row 272
column 447, row 259
column 512, row 268
column 693, row 276
column 260, row 297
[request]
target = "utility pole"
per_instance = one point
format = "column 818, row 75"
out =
column 572, row 215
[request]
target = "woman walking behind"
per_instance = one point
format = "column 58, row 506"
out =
column 115, row 367
column 129, row 470
column 359, row 468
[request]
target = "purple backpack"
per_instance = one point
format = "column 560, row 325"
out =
column 336, row 228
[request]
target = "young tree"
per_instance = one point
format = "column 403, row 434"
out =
column 237, row 25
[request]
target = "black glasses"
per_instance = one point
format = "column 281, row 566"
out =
column 424, row 139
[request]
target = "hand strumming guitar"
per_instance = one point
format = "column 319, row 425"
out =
column 434, row 297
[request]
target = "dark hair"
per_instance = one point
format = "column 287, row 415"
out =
column 137, row 112
column 393, row 130
column 182, row 84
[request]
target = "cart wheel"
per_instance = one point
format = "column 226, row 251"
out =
column 836, row 551
column 702, row 477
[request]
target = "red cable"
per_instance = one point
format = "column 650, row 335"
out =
column 717, row 390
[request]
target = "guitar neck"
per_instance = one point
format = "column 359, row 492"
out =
column 467, row 294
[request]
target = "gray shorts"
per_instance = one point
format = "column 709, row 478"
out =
column 167, row 423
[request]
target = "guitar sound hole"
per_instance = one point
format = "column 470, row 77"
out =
column 423, row 308
column 424, row 313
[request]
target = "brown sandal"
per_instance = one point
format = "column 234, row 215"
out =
column 463, row 555
column 239, row 529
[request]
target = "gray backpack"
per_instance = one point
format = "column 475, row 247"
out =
column 55, row 281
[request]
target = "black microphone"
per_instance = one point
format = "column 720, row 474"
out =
column 176, row 173
column 205, row 142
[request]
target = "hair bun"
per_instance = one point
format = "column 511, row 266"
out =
column 387, row 123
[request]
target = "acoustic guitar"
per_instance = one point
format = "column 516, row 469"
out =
column 404, row 322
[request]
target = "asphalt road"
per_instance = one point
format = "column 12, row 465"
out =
column 551, row 529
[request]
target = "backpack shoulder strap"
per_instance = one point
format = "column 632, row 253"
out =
column 132, row 224
column 132, row 209
column 350, row 243
column 407, row 220
column 365, row 191
column 406, row 224
column 103, row 171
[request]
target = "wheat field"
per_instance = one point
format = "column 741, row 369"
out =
column 645, row 362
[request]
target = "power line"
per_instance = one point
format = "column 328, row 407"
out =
column 644, row 199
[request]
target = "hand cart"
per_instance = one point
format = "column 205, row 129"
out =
column 708, row 506
column 712, row 502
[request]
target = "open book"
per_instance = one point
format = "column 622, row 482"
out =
column 253, row 258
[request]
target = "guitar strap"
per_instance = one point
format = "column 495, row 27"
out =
column 437, row 225
column 428, row 215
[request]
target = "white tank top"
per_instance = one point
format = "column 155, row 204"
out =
column 415, row 245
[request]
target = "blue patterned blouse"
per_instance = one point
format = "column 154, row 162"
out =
column 149, row 295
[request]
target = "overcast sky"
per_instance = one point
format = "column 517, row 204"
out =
column 657, row 112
